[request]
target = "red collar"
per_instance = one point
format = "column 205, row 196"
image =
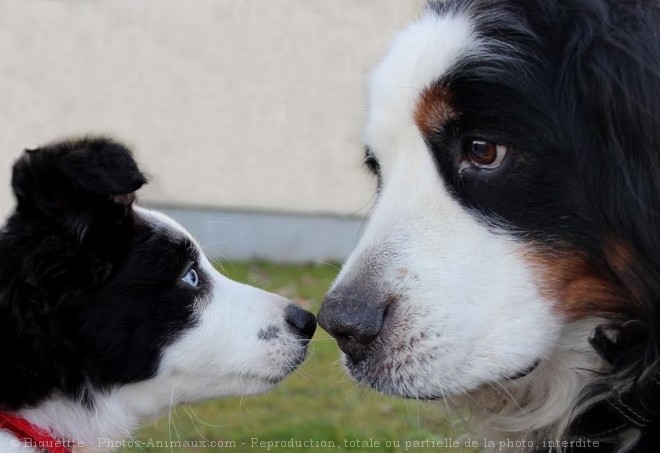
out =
column 31, row 435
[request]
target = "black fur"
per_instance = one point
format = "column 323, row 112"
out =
column 89, row 291
column 573, row 88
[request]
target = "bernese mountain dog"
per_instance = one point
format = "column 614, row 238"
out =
column 511, row 262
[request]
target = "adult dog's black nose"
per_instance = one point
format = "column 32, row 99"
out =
column 353, row 318
column 300, row 322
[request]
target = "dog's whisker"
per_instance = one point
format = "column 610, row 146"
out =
column 204, row 422
column 193, row 421
column 332, row 265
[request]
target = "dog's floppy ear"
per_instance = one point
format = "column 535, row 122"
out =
column 102, row 167
column 96, row 166
column 66, row 182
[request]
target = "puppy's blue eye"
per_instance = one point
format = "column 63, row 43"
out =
column 191, row 278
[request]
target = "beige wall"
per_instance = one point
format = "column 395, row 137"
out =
column 246, row 104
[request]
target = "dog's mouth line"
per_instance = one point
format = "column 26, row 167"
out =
column 269, row 379
column 365, row 377
column 521, row 374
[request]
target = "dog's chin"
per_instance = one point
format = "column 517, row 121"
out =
column 399, row 381
column 267, row 381
column 257, row 385
column 372, row 373
column 237, row 384
column 256, row 381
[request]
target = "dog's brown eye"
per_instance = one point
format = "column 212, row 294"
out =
column 483, row 154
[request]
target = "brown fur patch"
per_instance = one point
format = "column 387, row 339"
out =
column 578, row 288
column 434, row 109
column 125, row 200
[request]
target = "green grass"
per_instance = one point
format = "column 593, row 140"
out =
column 319, row 402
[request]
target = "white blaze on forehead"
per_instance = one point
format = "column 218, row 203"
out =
column 165, row 224
column 419, row 56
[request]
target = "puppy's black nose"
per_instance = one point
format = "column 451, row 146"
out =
column 300, row 322
column 353, row 319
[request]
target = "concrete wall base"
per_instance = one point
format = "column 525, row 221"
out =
column 283, row 238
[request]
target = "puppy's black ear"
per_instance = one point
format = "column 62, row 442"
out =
column 102, row 167
column 86, row 167
column 72, row 183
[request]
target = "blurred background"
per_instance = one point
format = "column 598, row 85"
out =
column 245, row 113
column 247, row 116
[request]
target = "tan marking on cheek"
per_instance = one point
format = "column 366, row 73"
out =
column 622, row 261
column 578, row 289
column 434, row 109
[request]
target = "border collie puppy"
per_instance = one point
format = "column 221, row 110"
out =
column 110, row 313
column 512, row 260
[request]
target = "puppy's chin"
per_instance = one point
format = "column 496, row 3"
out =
column 196, row 385
column 256, row 383
column 247, row 384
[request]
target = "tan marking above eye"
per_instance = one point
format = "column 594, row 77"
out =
column 433, row 109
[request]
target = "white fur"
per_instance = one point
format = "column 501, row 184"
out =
column 540, row 405
column 220, row 356
column 469, row 311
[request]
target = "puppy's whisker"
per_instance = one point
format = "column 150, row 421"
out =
column 204, row 422
column 193, row 422
column 332, row 265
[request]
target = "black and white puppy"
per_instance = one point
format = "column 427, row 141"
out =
column 512, row 259
column 110, row 313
